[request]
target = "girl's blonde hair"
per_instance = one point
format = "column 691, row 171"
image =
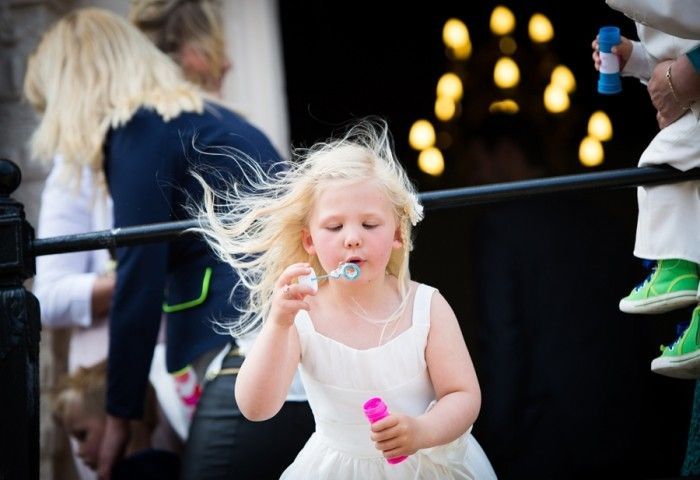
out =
column 91, row 72
column 171, row 24
column 257, row 229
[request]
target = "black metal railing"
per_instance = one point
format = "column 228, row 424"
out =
column 457, row 197
column 19, row 309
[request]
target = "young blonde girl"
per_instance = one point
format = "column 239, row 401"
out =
column 348, row 201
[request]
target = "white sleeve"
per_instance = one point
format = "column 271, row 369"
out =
column 640, row 64
column 675, row 17
column 64, row 282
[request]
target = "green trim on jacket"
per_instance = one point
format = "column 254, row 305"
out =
column 192, row 303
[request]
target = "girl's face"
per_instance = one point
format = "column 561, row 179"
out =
column 87, row 430
column 352, row 221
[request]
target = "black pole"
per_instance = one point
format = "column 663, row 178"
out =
column 630, row 177
column 19, row 338
column 438, row 199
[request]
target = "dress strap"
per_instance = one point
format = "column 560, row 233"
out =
column 421, row 304
column 303, row 322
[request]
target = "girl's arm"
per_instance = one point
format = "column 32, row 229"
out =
column 456, row 389
column 269, row 367
column 453, row 377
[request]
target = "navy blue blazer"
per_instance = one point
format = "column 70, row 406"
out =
column 147, row 164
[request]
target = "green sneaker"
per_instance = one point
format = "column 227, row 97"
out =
column 682, row 358
column 672, row 284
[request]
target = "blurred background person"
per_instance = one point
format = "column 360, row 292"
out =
column 76, row 289
column 170, row 112
column 191, row 33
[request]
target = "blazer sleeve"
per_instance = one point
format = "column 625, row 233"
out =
column 140, row 167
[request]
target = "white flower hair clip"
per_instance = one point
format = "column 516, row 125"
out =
column 414, row 211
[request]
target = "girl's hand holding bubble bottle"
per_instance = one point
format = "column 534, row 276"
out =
column 375, row 409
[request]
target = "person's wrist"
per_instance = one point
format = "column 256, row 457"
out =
column 685, row 105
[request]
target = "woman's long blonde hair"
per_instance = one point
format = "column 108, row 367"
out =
column 257, row 228
column 91, row 72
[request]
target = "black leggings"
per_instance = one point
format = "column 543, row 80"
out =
column 223, row 444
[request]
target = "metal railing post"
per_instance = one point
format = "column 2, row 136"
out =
column 19, row 337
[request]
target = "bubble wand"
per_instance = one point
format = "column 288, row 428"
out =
column 348, row 271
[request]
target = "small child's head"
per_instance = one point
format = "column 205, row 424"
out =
column 79, row 406
column 263, row 232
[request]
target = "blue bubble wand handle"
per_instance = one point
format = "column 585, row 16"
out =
column 609, row 80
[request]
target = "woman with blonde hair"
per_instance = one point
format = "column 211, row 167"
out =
column 112, row 103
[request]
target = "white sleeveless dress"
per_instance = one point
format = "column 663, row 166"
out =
column 340, row 379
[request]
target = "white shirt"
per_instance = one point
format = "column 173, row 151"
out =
column 64, row 282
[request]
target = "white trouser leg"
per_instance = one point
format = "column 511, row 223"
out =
column 668, row 225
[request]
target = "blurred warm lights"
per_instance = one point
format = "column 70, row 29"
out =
column 421, row 135
column 590, row 152
column 455, row 35
column 450, row 86
column 562, row 76
column 502, row 20
column 599, row 126
column 504, row 106
column 506, row 76
column 506, row 73
column 507, row 45
column 556, row 100
column 445, row 109
column 462, row 53
column 540, row 28
column 431, row 161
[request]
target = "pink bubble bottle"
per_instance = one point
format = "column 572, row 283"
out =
column 375, row 410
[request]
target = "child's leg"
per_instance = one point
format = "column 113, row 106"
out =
column 668, row 228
